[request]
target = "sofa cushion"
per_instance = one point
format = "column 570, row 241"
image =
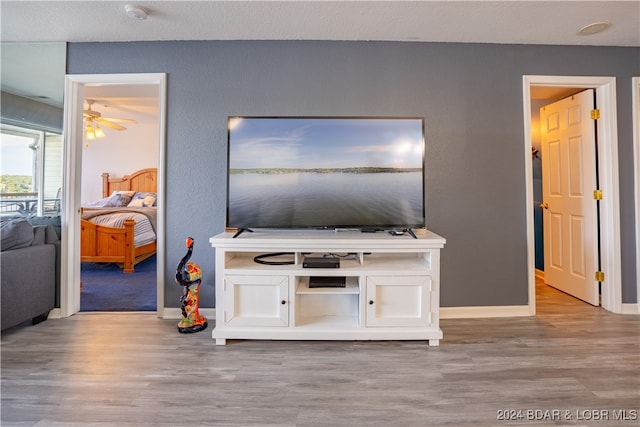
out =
column 51, row 235
column 15, row 234
column 38, row 235
column 53, row 221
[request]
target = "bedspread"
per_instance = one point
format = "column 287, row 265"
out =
column 145, row 218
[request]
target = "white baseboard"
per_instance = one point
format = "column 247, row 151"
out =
column 484, row 311
column 445, row 312
column 55, row 313
column 630, row 308
column 167, row 313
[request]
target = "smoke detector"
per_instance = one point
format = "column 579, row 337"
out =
column 594, row 28
column 136, row 12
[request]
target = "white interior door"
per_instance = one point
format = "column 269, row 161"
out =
column 568, row 181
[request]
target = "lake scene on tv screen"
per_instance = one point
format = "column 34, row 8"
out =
column 325, row 172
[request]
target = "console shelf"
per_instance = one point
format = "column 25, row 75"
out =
column 391, row 292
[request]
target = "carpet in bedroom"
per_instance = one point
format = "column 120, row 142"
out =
column 106, row 288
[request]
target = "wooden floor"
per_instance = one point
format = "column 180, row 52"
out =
column 137, row 370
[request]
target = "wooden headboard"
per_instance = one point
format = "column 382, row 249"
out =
column 142, row 180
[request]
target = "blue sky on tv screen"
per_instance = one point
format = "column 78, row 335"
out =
column 324, row 143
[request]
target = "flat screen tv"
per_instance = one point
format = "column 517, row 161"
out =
column 325, row 172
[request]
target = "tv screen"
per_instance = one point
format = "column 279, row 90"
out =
column 325, row 172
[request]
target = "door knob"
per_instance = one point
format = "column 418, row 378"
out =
column 544, row 205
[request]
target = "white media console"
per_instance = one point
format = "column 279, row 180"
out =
column 392, row 289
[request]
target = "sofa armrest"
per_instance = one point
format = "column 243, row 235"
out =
column 27, row 283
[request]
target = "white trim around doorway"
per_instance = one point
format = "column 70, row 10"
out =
column 636, row 168
column 605, row 87
column 72, row 161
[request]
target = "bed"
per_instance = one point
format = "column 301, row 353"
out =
column 118, row 230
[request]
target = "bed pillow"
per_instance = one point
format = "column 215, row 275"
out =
column 100, row 203
column 119, row 199
column 143, row 199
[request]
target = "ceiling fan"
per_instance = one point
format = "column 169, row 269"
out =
column 94, row 118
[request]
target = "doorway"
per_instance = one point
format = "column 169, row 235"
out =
column 120, row 139
column 608, row 174
column 568, row 174
column 75, row 88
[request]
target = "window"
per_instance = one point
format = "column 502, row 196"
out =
column 30, row 171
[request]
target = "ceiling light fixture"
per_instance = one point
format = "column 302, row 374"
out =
column 136, row 12
column 99, row 132
column 594, row 28
column 92, row 131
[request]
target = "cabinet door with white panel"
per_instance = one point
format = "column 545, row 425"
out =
column 398, row 301
column 256, row 300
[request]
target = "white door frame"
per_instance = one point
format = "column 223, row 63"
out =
column 636, row 167
column 72, row 161
column 607, row 135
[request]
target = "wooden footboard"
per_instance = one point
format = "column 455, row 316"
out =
column 107, row 244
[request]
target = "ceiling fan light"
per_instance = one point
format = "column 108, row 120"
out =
column 99, row 133
column 90, row 133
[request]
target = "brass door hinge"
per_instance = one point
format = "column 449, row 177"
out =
column 597, row 194
column 599, row 276
column 595, row 114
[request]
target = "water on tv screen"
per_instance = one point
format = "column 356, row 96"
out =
column 325, row 172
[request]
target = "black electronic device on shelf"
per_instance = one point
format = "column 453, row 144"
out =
column 327, row 282
column 321, row 262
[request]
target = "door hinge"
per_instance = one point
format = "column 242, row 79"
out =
column 597, row 194
column 595, row 114
column 599, row 276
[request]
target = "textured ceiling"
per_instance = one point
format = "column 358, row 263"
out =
column 503, row 22
column 510, row 22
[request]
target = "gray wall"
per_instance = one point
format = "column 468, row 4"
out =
column 469, row 94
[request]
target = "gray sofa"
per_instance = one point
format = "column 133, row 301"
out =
column 29, row 270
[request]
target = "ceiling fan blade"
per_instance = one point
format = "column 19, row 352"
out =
column 113, row 119
column 108, row 124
